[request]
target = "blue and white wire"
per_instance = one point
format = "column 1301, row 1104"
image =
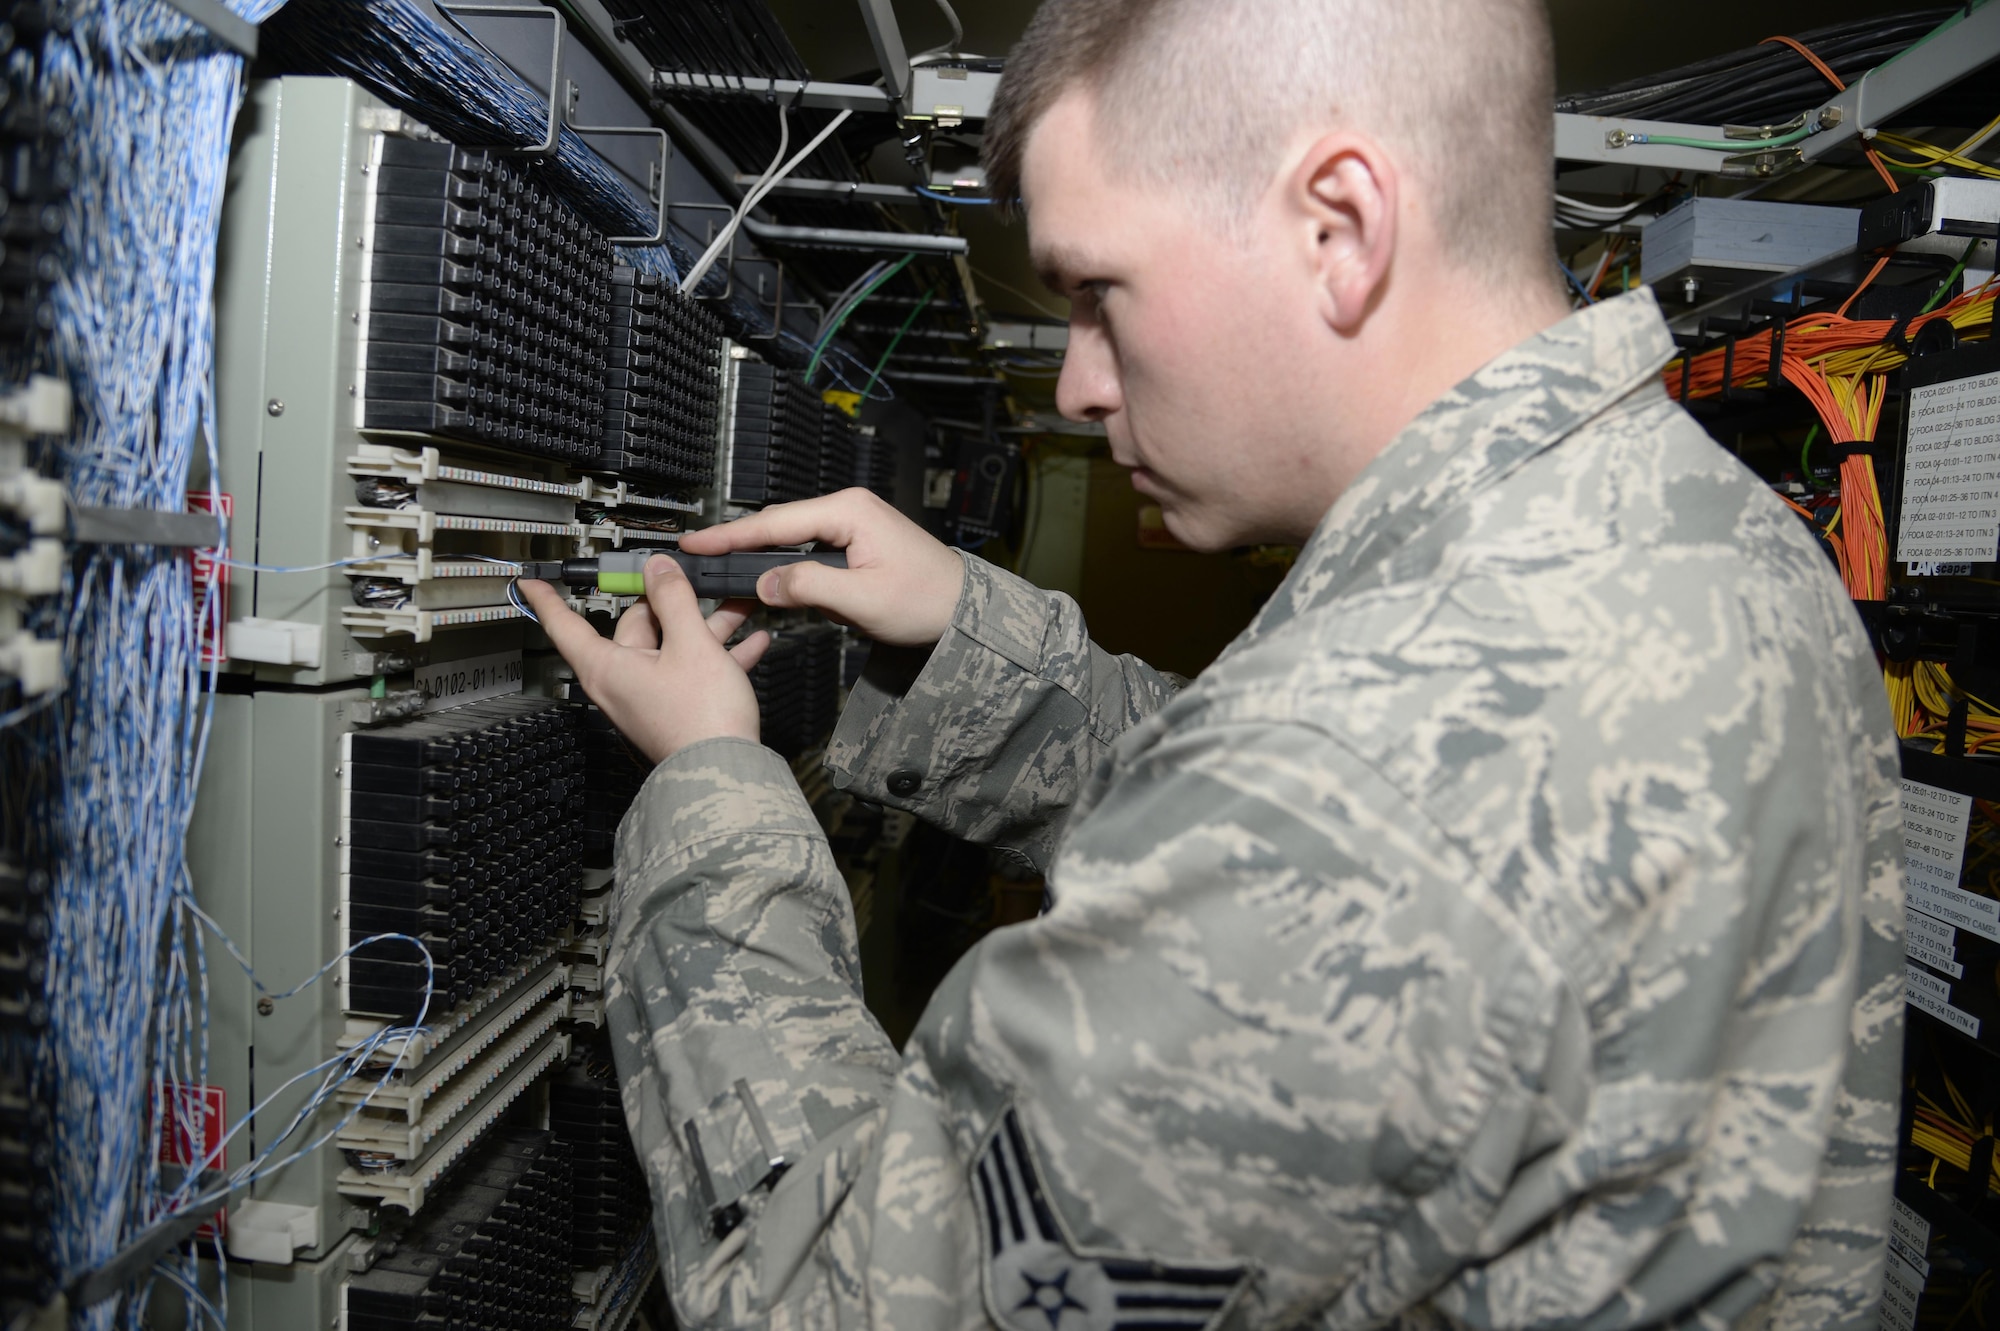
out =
column 963, row 200
column 835, row 353
column 249, row 567
column 195, row 1297
column 514, row 595
column 151, row 97
column 837, row 311
column 357, row 1057
column 459, row 89
column 215, row 1151
column 349, row 1064
column 28, row 709
column 1576, row 282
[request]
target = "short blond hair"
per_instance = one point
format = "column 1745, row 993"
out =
column 1203, row 95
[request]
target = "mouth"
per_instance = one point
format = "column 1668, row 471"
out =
column 1143, row 482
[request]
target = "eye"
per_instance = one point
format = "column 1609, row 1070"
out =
column 1089, row 293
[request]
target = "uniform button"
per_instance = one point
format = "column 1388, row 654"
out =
column 904, row 781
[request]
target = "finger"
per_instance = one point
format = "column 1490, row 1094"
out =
column 572, row 634
column 751, row 650
column 636, row 628
column 729, row 617
column 809, row 585
column 672, row 599
column 831, row 518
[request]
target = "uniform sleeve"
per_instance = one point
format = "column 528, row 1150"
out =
column 1276, row 1044
column 993, row 736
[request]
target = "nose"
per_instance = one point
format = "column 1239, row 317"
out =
column 1088, row 388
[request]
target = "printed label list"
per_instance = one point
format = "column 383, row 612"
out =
column 1951, row 472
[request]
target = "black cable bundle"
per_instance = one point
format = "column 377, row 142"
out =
column 740, row 39
column 1764, row 84
column 34, row 181
column 24, row 1118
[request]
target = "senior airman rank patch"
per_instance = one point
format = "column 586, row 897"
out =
column 1037, row 1279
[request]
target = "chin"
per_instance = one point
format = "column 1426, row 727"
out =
column 1196, row 533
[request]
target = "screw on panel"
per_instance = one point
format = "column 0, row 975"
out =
column 265, row 1007
column 275, row 406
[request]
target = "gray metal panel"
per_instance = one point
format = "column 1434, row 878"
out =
column 1743, row 234
column 812, row 94
column 219, row 864
column 289, row 279
column 1972, row 42
column 288, row 292
column 952, row 94
column 262, row 858
column 1588, row 139
column 832, row 191
column 879, row 17
column 294, row 864
column 304, row 1296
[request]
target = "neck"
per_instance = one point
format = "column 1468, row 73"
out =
column 1420, row 343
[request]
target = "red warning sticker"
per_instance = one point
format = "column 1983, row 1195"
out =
column 211, row 580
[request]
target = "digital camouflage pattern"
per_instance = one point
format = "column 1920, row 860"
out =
column 1505, row 931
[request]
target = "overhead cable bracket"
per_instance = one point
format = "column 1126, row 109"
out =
column 136, row 1258
column 239, row 34
column 144, row 526
column 520, row 62
column 655, row 184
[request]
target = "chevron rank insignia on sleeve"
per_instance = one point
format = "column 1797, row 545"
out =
column 1037, row 1279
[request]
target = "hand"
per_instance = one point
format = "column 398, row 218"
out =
column 664, row 677
column 900, row 585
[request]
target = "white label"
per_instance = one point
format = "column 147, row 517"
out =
column 1934, row 826
column 1977, row 914
column 1951, row 472
column 1902, row 1286
column 1936, row 934
column 454, row 682
column 1940, row 1009
column 1935, row 960
column 1911, row 1234
column 1927, row 982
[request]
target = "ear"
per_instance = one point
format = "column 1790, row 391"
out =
column 1344, row 193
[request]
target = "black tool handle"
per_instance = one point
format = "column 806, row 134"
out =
column 735, row 574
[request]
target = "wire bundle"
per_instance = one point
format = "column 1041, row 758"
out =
column 1841, row 365
column 392, row 48
column 1921, row 697
column 1763, row 83
column 1931, row 158
column 151, row 97
column 1947, row 1134
column 742, row 41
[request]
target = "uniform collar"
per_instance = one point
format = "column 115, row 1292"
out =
column 1525, row 400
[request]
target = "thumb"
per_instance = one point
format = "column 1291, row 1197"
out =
column 672, row 599
column 804, row 585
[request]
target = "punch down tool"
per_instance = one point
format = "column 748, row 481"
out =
column 623, row 572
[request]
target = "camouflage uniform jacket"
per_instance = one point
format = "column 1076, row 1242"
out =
column 1504, row 931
